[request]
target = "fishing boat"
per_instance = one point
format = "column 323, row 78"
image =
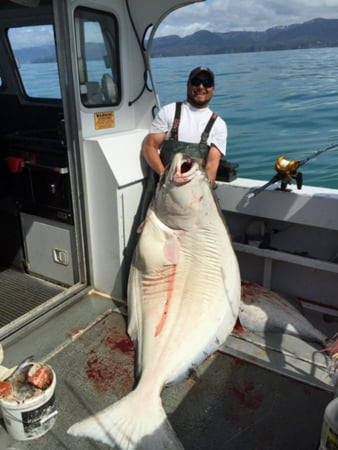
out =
column 72, row 177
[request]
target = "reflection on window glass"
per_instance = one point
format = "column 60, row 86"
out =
column 98, row 64
column 34, row 50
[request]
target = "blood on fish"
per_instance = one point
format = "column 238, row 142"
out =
column 171, row 280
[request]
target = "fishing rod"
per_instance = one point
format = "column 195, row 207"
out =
column 288, row 170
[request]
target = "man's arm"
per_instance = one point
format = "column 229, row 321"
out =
column 150, row 152
column 212, row 164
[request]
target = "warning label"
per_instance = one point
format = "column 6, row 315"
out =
column 104, row 120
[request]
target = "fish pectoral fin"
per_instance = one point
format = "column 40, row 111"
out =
column 140, row 227
column 171, row 249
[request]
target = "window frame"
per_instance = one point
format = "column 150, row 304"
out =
column 109, row 87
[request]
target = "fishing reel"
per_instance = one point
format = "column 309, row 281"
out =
column 286, row 171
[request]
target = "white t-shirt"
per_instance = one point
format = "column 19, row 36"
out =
column 192, row 124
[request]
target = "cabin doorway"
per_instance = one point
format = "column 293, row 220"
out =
column 41, row 246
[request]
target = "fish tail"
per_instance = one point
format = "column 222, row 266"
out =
column 130, row 423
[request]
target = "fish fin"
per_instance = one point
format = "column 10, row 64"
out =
column 129, row 424
column 141, row 226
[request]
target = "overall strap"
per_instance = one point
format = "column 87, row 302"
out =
column 206, row 132
column 174, row 129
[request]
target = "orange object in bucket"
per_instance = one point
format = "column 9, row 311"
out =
column 14, row 164
column 31, row 418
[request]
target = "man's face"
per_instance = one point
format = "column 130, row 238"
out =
column 199, row 94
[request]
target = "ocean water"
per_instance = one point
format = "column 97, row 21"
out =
column 274, row 103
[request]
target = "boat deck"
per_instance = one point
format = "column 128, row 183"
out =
column 228, row 403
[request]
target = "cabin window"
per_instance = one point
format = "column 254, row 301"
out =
column 98, row 58
column 33, row 48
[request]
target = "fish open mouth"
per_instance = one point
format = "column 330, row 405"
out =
column 186, row 166
column 185, row 169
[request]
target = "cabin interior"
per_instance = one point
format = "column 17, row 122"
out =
column 35, row 182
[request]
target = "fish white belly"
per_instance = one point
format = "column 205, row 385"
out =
column 182, row 298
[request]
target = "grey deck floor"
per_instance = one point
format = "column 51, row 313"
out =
column 228, row 404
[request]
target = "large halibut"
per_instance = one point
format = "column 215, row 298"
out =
column 183, row 300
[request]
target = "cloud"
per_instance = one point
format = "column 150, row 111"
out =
column 249, row 15
column 34, row 36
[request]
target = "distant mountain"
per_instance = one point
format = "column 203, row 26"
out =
column 314, row 33
column 46, row 53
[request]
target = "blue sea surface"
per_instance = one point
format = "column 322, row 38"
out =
column 274, row 103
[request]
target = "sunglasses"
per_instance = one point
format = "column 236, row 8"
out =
column 198, row 81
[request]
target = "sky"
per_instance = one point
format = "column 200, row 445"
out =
column 244, row 15
column 216, row 15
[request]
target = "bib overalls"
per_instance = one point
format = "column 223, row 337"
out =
column 168, row 150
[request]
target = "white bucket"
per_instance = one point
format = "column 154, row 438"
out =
column 31, row 418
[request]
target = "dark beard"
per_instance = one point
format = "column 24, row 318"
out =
column 197, row 104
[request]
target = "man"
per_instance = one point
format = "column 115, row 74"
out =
column 190, row 128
